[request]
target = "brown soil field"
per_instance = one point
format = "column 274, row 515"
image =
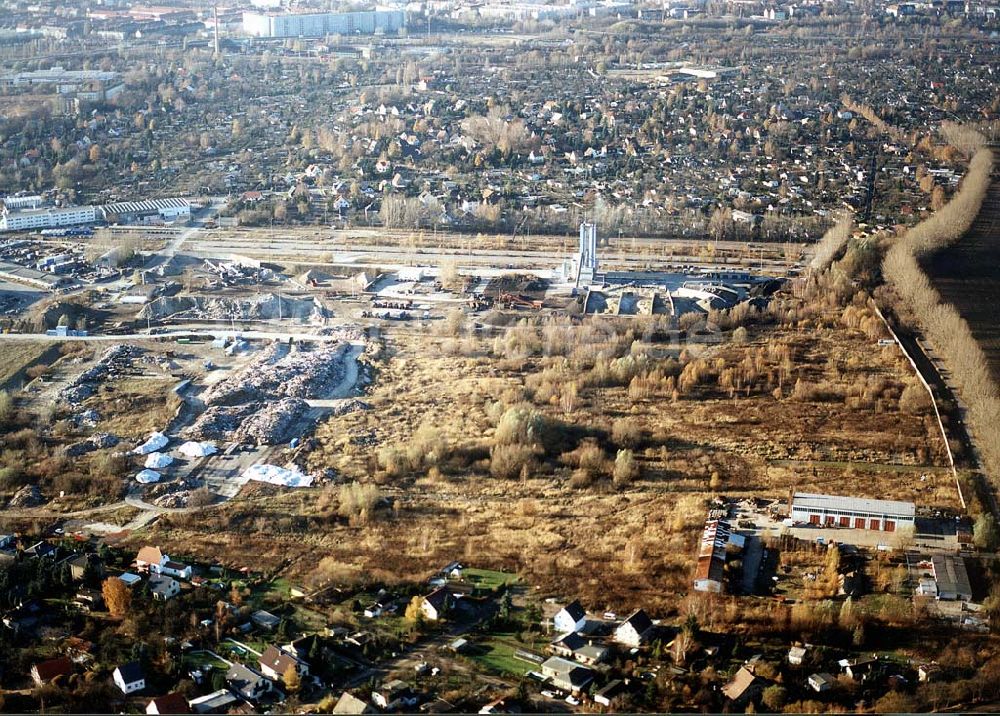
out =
column 967, row 275
column 616, row 545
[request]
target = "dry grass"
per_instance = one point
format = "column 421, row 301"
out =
column 547, row 523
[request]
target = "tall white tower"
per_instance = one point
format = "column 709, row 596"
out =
column 585, row 261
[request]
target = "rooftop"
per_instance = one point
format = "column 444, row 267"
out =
column 812, row 501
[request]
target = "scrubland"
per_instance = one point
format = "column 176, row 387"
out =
column 584, row 455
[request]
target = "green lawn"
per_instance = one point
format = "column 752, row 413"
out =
column 496, row 653
column 488, row 578
column 199, row 659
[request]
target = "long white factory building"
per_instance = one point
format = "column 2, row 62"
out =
column 321, row 24
column 852, row 512
column 26, row 213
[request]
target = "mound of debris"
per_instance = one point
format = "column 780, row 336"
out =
column 115, row 362
column 27, row 496
column 256, row 423
column 264, row 307
column 278, row 372
column 219, row 422
column 97, row 441
column 272, row 423
column 352, row 405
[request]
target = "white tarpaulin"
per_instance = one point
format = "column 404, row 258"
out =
column 193, row 448
column 158, row 460
column 148, row 476
column 278, row 476
column 156, row 441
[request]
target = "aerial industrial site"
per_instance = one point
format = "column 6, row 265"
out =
column 583, row 356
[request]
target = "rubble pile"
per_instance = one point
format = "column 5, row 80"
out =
column 97, row 441
column 265, row 307
column 352, row 405
column 219, row 422
column 27, row 496
column 298, row 374
column 248, row 382
column 272, row 422
column 114, row 362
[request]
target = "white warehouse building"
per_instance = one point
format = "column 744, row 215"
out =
column 146, row 211
column 852, row 512
column 321, row 24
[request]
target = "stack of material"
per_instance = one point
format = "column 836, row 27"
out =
column 220, row 422
column 277, row 373
column 158, row 460
column 148, row 476
column 114, row 362
column 274, row 475
column 97, row 441
column 270, row 424
column 156, row 441
column 195, row 449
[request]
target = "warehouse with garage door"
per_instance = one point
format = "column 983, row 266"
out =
column 852, row 512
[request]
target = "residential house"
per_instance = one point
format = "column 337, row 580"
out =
column 7, row 541
column 796, row 655
column 164, row 588
column 591, row 653
column 435, row 604
column 217, row 702
column 575, row 646
column 572, row 617
column 130, row 579
column 501, row 706
column 43, row 672
column 348, row 704
column 929, row 672
column 394, row 695
column 567, row 675
column 89, row 600
column 265, row 620
column 635, row 630
column 172, row 703
column 566, row 644
column 858, row 669
column 41, row 550
column 247, row 682
column 129, row 677
column 275, row 662
column 609, row 692
column 152, row 559
column 744, row 688
column 83, row 564
column 821, row 682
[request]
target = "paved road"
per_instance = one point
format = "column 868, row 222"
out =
column 200, row 331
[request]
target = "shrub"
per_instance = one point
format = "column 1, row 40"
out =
column 521, row 424
column 914, row 399
column 985, row 533
column 626, row 468
column 508, row 461
column 201, row 497
column 6, row 408
column 357, row 499
column 626, row 432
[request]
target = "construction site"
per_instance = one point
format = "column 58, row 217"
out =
column 207, row 361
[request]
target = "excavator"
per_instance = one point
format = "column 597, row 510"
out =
column 510, row 301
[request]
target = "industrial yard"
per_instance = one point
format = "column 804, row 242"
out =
column 507, row 357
